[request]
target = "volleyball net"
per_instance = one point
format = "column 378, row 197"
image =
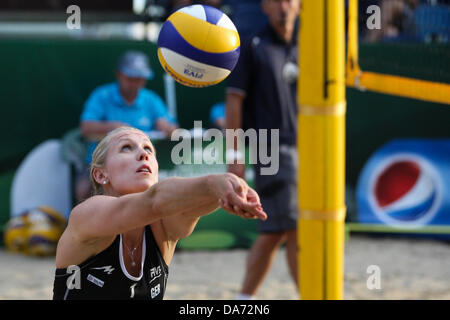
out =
column 400, row 47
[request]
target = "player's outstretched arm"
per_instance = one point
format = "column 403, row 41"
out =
column 185, row 199
column 228, row 191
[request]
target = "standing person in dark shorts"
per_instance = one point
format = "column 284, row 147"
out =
column 119, row 243
column 262, row 94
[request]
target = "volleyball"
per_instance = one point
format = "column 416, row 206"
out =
column 16, row 234
column 198, row 46
column 46, row 226
column 35, row 231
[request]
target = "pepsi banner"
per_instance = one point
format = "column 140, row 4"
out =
column 406, row 183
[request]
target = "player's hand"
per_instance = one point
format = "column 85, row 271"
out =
column 236, row 197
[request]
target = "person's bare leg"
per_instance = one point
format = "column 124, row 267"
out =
column 292, row 255
column 260, row 260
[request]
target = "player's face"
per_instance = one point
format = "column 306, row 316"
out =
column 281, row 13
column 131, row 164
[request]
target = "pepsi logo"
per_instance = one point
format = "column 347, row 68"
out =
column 405, row 190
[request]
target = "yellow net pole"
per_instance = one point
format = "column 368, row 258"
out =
column 404, row 87
column 321, row 145
column 383, row 83
column 353, row 70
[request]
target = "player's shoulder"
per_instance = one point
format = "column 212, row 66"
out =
column 89, row 205
column 85, row 213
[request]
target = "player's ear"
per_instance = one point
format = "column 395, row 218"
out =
column 99, row 176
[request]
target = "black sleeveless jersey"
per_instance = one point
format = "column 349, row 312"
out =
column 104, row 276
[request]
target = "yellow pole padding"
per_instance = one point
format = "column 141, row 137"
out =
column 321, row 145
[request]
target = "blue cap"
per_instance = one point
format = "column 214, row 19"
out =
column 135, row 64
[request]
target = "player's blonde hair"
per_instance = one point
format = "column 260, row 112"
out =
column 100, row 152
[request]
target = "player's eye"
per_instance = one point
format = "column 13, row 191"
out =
column 148, row 149
column 125, row 147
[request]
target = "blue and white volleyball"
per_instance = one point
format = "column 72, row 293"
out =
column 198, row 46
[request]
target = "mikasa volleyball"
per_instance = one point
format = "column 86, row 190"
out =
column 198, row 46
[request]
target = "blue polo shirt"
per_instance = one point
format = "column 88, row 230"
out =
column 217, row 112
column 107, row 104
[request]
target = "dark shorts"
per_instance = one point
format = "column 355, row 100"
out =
column 278, row 193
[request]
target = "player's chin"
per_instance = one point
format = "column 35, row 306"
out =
column 141, row 185
column 148, row 183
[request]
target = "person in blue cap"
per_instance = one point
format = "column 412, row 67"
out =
column 124, row 102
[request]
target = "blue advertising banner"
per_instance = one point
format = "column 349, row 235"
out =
column 406, row 183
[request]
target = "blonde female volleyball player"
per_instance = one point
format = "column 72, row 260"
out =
column 118, row 244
